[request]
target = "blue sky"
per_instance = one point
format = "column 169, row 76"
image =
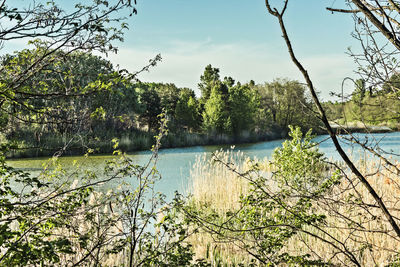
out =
column 240, row 38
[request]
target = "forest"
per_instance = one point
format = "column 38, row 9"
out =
column 368, row 106
column 226, row 112
column 296, row 208
column 100, row 107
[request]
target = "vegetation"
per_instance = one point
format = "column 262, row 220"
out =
column 375, row 106
column 274, row 208
column 297, row 209
column 62, row 216
column 288, row 210
column 98, row 105
column 286, row 102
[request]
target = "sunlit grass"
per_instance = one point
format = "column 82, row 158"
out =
column 371, row 239
column 215, row 186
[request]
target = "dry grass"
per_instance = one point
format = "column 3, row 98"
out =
column 214, row 185
column 369, row 238
column 214, row 182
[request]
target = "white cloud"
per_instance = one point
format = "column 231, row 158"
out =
column 184, row 62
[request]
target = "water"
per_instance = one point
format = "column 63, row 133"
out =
column 175, row 164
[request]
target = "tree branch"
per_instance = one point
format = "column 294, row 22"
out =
column 324, row 118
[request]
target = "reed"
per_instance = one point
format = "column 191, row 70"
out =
column 369, row 236
column 215, row 186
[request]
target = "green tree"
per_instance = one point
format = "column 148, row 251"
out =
column 187, row 110
column 216, row 117
column 392, row 85
column 231, row 108
column 86, row 96
column 243, row 106
column 88, row 26
column 152, row 106
column 288, row 104
column 279, row 205
column 169, row 95
column 208, row 80
column 378, row 43
column 47, row 219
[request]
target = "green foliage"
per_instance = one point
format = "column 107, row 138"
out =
column 169, row 95
column 33, row 219
column 300, row 167
column 89, row 98
column 286, row 103
column 277, row 207
column 216, row 114
column 359, row 91
column 61, row 217
column 243, row 105
column 187, row 110
column 334, row 110
column 369, row 105
column 378, row 109
column 392, row 85
column 75, row 92
column 208, row 80
column 273, row 212
column 150, row 99
column 229, row 108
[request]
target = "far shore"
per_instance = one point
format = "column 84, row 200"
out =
column 217, row 141
column 360, row 128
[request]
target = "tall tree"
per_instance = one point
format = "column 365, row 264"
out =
column 288, row 104
column 216, row 117
column 207, row 81
column 243, row 105
column 152, row 106
column 187, row 110
column 169, row 95
column 92, row 25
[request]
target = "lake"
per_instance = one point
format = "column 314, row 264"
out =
column 175, row 164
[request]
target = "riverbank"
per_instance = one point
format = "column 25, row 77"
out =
column 359, row 127
column 134, row 142
column 137, row 141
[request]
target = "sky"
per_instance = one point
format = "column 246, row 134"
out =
column 240, row 38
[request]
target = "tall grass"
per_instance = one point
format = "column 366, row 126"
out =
column 29, row 145
column 214, row 186
column 214, row 183
column 369, row 236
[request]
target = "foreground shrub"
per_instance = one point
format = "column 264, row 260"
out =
column 295, row 209
column 65, row 217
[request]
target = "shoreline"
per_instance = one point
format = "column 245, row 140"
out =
column 357, row 128
column 205, row 141
column 181, row 140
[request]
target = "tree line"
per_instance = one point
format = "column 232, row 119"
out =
column 97, row 104
column 369, row 104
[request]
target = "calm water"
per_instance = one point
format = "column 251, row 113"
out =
column 174, row 164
